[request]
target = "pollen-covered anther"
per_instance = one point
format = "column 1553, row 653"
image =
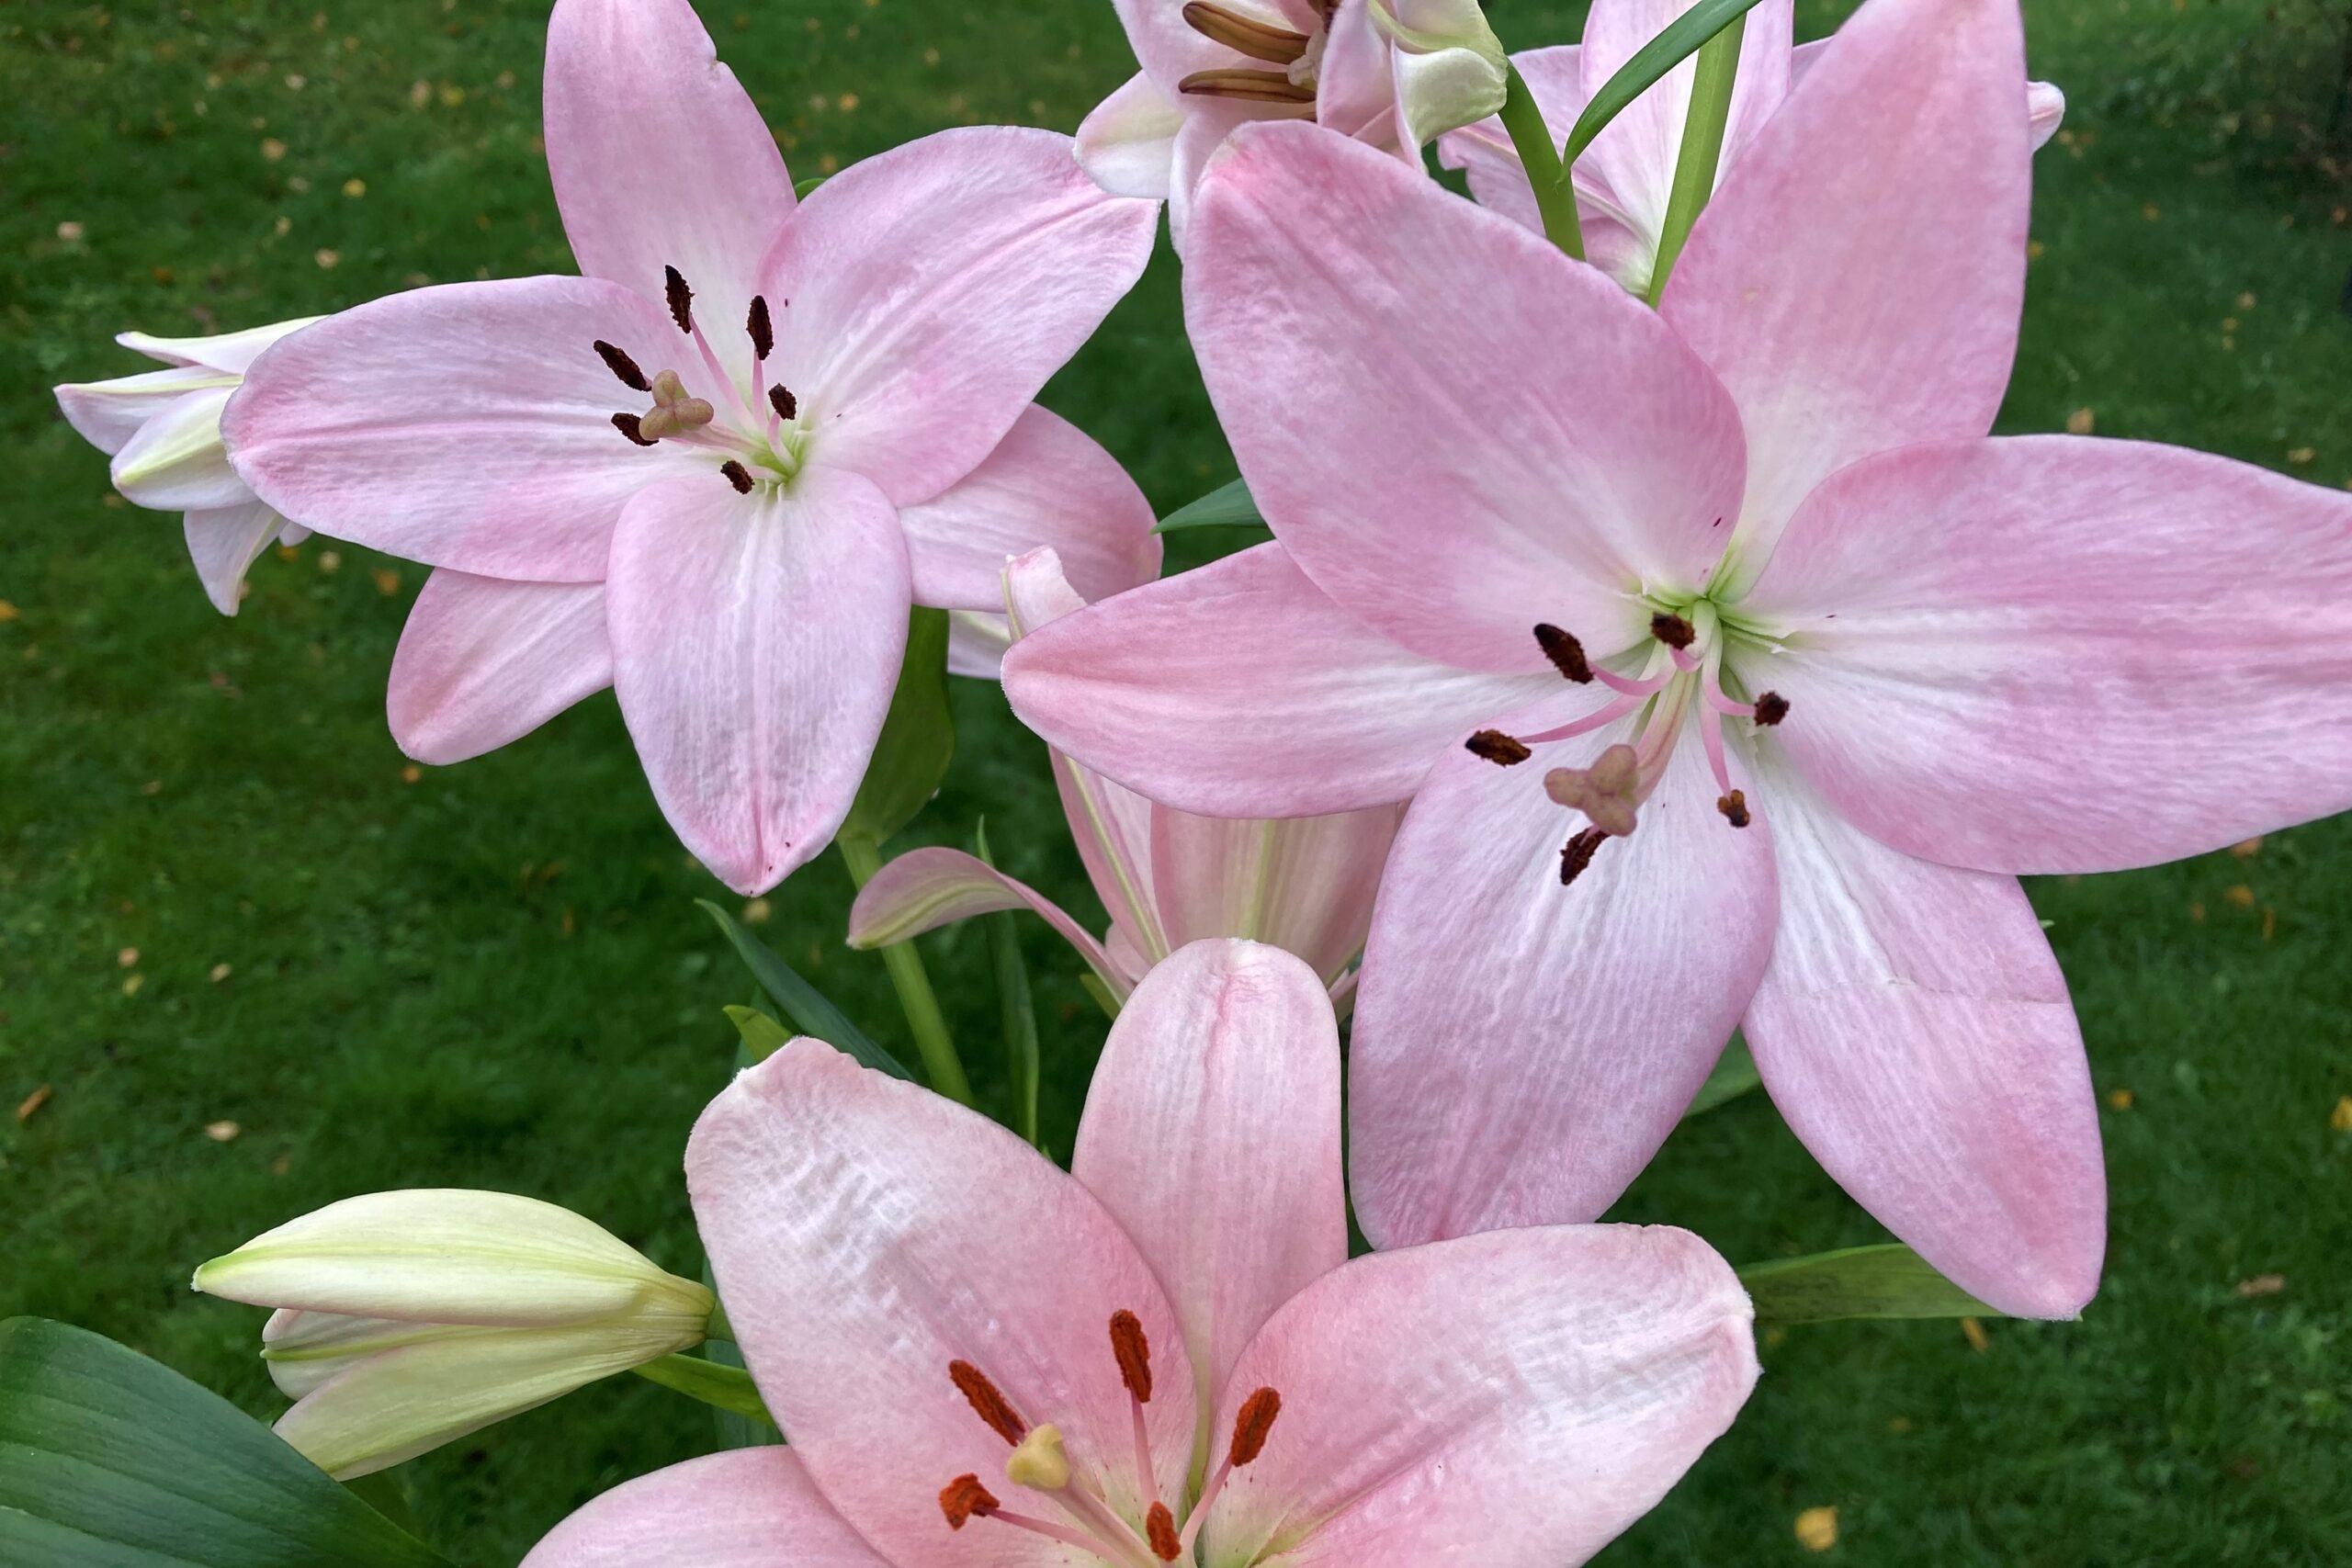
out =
column 680, row 297
column 761, row 328
column 964, row 1498
column 1159, row 1527
column 1132, row 1348
column 737, row 475
column 1494, row 745
column 1565, row 653
column 1577, row 853
column 674, row 411
column 1038, row 1460
column 629, row 424
column 1250, row 86
column 987, row 1403
column 1251, row 1426
column 1673, row 630
column 1771, row 708
column 622, row 366
column 1607, row 793
column 1245, row 35
column 780, row 399
column 1735, row 808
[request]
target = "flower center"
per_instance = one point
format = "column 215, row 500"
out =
column 755, row 440
column 1685, row 666
column 1298, row 54
column 1041, row 1466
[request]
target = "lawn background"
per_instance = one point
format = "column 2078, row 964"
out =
column 224, row 897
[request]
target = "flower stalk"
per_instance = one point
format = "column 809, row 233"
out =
column 1701, row 158
column 1555, row 198
column 941, row 1065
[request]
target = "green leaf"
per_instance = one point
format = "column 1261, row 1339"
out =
column 762, row 1034
column 802, row 187
column 1683, row 37
column 806, row 1006
column 1861, row 1281
column 108, row 1459
column 1733, row 1076
column 918, row 738
column 721, row 1387
column 1227, row 506
column 1014, row 1004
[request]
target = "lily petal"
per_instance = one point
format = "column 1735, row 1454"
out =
column 924, row 295
column 866, row 1233
column 176, row 462
column 106, row 414
column 1047, row 484
column 749, row 1508
column 1212, row 1134
column 1858, row 292
column 659, row 158
column 1513, row 1400
column 1239, row 690
column 2056, row 654
column 927, row 888
column 1128, row 142
column 2045, row 104
column 1914, row 1031
column 756, row 641
column 233, row 352
column 223, row 541
column 1304, row 884
column 1521, row 1049
column 467, row 426
column 484, row 661
column 1457, row 366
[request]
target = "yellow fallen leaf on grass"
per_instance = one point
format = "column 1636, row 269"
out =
column 2262, row 1285
column 2341, row 1117
column 1817, row 1529
column 2119, row 1098
column 222, row 1131
column 1974, row 1332
column 33, row 1103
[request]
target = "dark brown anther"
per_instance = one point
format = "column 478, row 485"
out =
column 1579, row 853
column 622, row 365
column 1133, row 1348
column 1735, row 808
column 681, row 298
column 1771, row 708
column 1249, row 86
column 737, row 475
column 964, row 1498
column 631, row 425
column 1245, row 35
column 1494, row 745
column 762, row 330
column 1565, row 653
column 987, row 1403
column 1673, row 630
column 1250, row 1428
column 1160, row 1524
column 780, row 399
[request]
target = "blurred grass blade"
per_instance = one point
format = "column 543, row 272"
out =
column 1227, row 506
column 722, row 1387
column 806, row 1007
column 1733, row 1076
column 1683, row 37
column 1016, row 1005
column 108, row 1459
column 918, row 738
column 1859, row 1283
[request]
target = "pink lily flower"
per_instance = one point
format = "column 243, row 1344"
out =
column 1838, row 665
column 1168, row 877
column 163, row 430
column 1165, row 1355
column 716, row 469
column 1625, row 179
column 1393, row 73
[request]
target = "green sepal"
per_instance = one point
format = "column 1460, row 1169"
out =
column 1886, row 1281
column 806, row 1007
column 726, row 1388
column 918, row 738
column 1227, row 506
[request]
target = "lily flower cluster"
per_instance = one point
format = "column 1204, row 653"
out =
column 1652, row 643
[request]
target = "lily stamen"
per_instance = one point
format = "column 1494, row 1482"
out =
column 622, row 366
column 1252, row 87
column 1252, row 1425
column 1245, row 35
column 1565, row 653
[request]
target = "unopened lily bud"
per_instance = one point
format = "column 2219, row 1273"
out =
column 1449, row 66
column 407, row 1320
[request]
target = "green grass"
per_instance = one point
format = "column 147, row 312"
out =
column 494, row 974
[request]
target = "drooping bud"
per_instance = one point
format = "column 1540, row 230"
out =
column 737, row 475
column 1038, row 1460
column 1133, row 1351
column 1494, row 745
column 964, row 1498
column 1252, row 1425
column 1673, row 630
column 761, row 330
column 623, row 367
column 1771, row 708
column 681, row 298
column 987, row 1403
column 1565, row 653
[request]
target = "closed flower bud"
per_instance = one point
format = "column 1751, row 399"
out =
column 407, row 1320
column 1449, row 66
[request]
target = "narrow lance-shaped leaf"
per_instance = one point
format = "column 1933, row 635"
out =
column 1733, row 1076
column 1227, row 506
column 918, row 738
column 1890, row 1280
column 108, row 1459
column 806, row 1007
column 762, row 1034
column 1681, row 39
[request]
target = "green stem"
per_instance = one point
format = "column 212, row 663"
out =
column 722, row 1388
column 940, row 1062
column 1713, row 79
column 1554, row 197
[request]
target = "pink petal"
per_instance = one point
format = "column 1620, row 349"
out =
column 1305, row 883
column 1239, row 690
column 927, row 888
column 1857, row 282
column 1208, row 123
column 1168, row 48
column 975, row 642
column 1914, row 1031
column 748, row 1509
column 924, row 295
column 106, row 414
column 1512, row 1399
column 1457, row 366
column 1048, row 484
column 2051, row 654
column 756, row 641
column 484, row 661
column 866, row 1233
column 659, row 158
column 233, row 352
column 467, row 426
column 1355, row 90
column 1212, row 1134
column 2046, row 105
column 222, row 542
column 1128, row 142
column 174, row 462
column 1522, row 1049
